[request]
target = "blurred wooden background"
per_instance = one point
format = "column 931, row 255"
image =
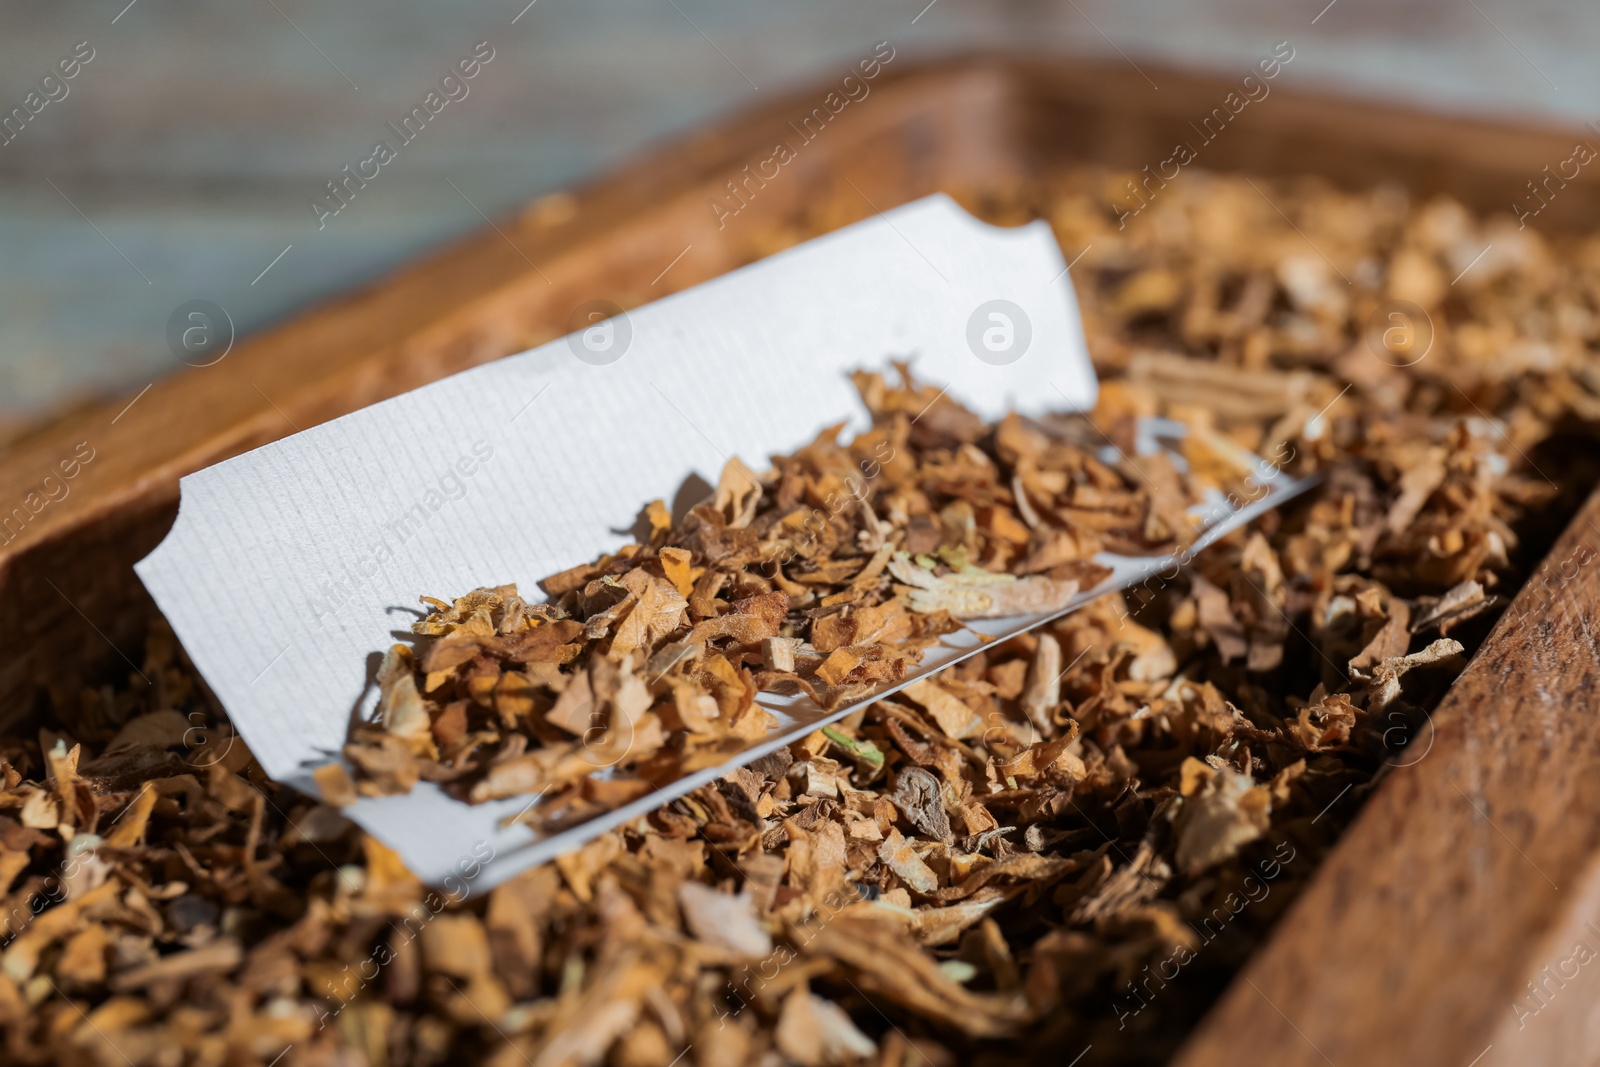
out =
column 182, row 160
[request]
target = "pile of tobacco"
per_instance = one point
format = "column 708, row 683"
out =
column 831, row 574
column 1072, row 839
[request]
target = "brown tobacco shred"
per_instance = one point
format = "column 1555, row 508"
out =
column 1073, row 839
column 832, row 574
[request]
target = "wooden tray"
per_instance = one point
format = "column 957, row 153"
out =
column 1463, row 878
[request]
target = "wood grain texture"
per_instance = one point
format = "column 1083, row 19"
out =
column 1465, row 876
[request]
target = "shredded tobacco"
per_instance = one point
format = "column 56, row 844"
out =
column 1074, row 838
column 830, row 574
